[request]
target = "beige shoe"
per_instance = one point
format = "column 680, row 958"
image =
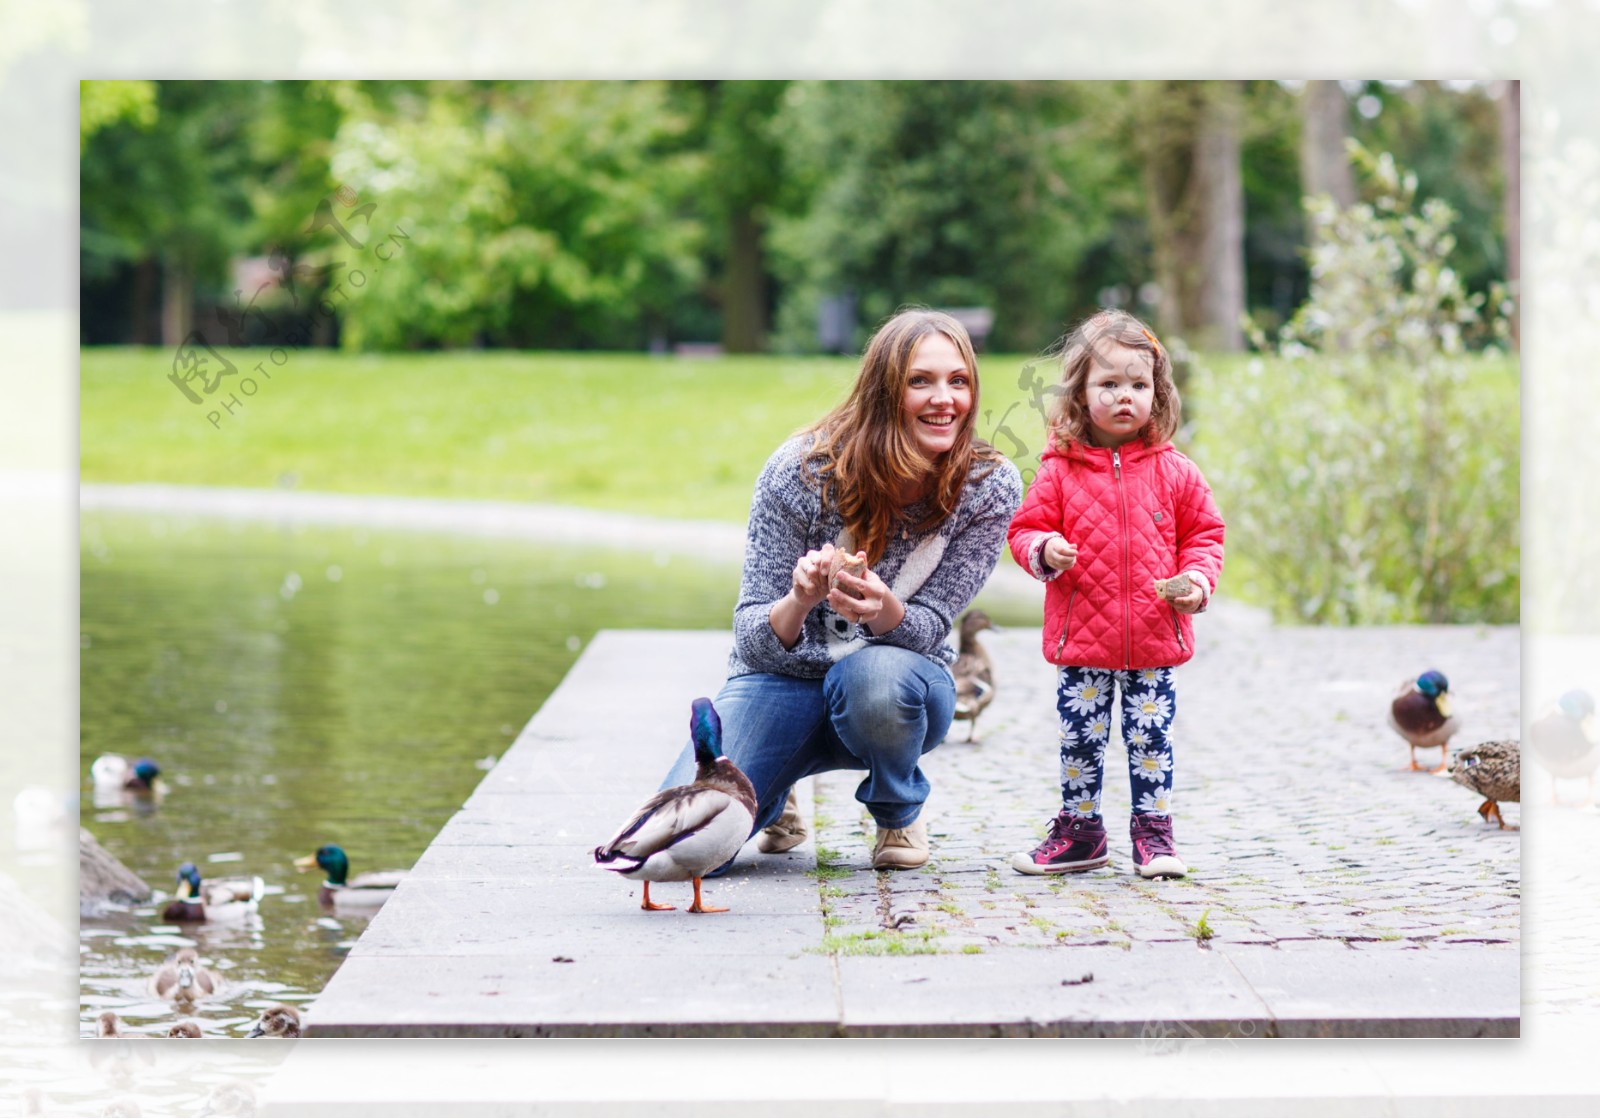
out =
column 901, row 848
column 786, row 832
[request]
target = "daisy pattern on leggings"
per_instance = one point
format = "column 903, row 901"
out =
column 1150, row 677
column 1150, row 708
column 1076, row 773
column 1084, row 804
column 1157, row 802
column 1152, row 765
column 1086, row 696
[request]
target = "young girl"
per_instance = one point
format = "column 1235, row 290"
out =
column 1114, row 509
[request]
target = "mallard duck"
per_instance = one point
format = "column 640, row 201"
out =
column 364, row 891
column 220, row 899
column 973, row 671
column 1564, row 740
column 277, row 1021
column 683, row 833
column 1492, row 770
column 114, row 772
column 182, row 979
column 185, row 1028
column 1421, row 715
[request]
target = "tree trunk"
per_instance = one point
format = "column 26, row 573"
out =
column 142, row 298
column 1511, row 159
column 177, row 303
column 1189, row 138
column 1220, row 275
column 1324, row 163
column 744, row 287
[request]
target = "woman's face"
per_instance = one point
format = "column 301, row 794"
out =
column 938, row 394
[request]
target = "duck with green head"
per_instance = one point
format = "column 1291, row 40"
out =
column 684, row 833
column 1420, row 714
column 1565, row 741
column 339, row 891
column 216, row 899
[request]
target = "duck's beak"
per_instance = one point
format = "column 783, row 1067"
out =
column 257, row 1032
column 1443, row 704
column 309, row 862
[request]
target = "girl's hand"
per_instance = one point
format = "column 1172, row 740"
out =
column 1058, row 554
column 1190, row 603
column 809, row 581
column 864, row 599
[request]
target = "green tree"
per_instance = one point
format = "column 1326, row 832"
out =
column 945, row 193
column 537, row 214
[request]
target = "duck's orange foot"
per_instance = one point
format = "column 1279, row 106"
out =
column 700, row 906
column 648, row 904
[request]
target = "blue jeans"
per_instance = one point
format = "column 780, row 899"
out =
column 879, row 709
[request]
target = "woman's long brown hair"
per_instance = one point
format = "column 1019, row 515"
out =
column 862, row 456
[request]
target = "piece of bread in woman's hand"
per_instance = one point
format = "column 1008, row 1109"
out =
column 843, row 561
column 1174, row 588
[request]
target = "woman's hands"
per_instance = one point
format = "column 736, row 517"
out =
column 865, row 599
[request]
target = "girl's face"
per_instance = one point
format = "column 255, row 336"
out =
column 938, row 394
column 1120, row 392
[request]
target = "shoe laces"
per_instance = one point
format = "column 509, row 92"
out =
column 1061, row 835
column 1154, row 835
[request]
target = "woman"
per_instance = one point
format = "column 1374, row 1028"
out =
column 855, row 675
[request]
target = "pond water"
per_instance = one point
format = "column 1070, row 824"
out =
column 301, row 686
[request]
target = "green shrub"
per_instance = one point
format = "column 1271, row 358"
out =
column 1369, row 468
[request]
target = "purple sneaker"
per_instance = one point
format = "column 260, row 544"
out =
column 1153, row 852
column 1073, row 843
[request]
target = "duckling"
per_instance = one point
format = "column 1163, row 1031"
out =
column 181, row 979
column 1565, row 743
column 114, row 772
column 1421, row 715
column 185, row 1028
column 110, row 1024
column 278, row 1020
column 973, row 671
column 364, row 891
column 221, row 899
column 1492, row 770
column 233, row 1097
column 684, row 833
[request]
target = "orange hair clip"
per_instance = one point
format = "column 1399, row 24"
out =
column 1152, row 338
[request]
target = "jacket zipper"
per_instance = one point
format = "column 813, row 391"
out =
column 1067, row 625
column 1127, row 590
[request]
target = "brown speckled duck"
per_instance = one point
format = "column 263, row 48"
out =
column 1493, row 770
column 973, row 671
column 1421, row 715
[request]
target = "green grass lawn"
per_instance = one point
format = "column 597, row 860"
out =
column 668, row 436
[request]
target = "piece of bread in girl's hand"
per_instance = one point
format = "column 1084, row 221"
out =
column 853, row 562
column 1174, row 588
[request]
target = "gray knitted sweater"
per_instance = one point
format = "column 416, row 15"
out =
column 935, row 574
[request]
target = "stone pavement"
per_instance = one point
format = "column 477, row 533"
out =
column 1342, row 896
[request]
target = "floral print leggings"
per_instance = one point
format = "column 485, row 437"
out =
column 1083, row 698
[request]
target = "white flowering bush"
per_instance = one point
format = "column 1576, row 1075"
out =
column 1367, row 462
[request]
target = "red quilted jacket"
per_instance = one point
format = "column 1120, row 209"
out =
column 1136, row 514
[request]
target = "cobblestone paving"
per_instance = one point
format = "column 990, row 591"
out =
column 1292, row 807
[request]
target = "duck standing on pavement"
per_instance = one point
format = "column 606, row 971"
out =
column 1420, row 713
column 1493, row 770
column 1565, row 743
column 973, row 671
column 684, row 833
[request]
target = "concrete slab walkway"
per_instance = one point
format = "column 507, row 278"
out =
column 1344, row 897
